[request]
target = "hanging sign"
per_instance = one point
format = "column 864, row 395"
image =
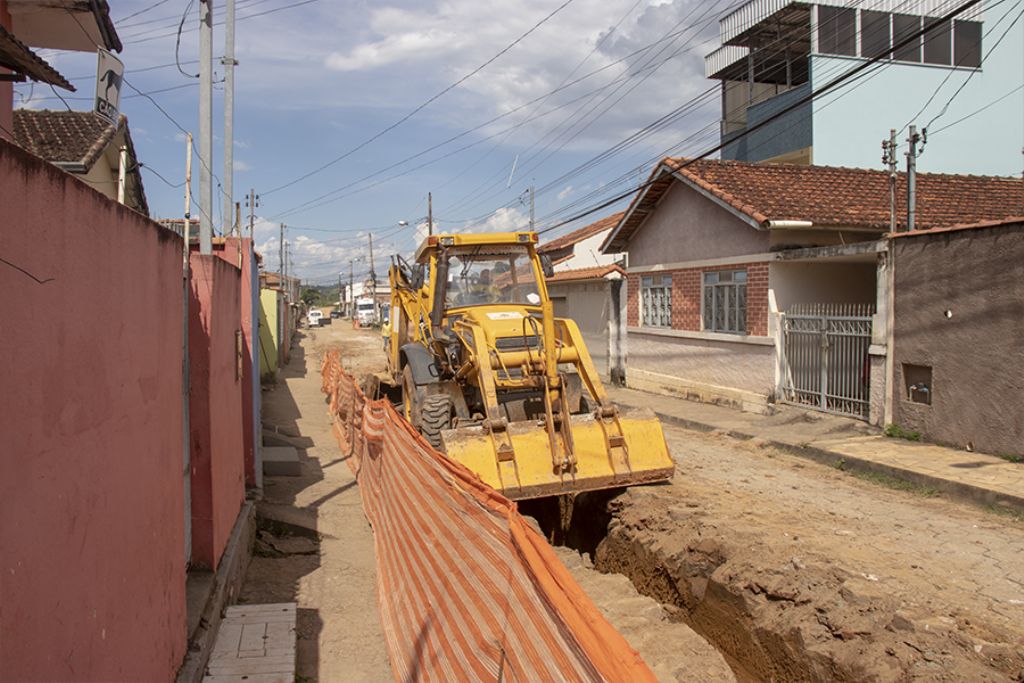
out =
column 109, row 73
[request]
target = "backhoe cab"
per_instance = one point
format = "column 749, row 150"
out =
column 488, row 374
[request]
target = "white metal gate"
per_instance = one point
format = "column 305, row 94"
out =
column 825, row 357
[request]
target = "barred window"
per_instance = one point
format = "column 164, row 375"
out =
column 656, row 300
column 725, row 301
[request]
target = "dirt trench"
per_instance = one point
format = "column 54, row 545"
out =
column 779, row 616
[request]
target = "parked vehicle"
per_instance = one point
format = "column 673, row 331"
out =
column 335, row 313
column 365, row 310
column 313, row 318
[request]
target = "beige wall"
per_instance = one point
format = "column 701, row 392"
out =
column 688, row 226
column 976, row 352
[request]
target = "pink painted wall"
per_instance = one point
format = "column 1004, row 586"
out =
column 236, row 251
column 215, row 408
column 91, row 481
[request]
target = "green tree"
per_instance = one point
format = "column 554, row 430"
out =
column 311, row 297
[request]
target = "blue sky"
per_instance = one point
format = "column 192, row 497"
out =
column 316, row 80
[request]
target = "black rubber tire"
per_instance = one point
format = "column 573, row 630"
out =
column 435, row 416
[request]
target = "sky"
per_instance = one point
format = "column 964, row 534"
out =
column 321, row 83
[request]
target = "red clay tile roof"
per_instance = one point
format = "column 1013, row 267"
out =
column 63, row 136
column 592, row 273
column 581, row 234
column 76, row 137
column 829, row 197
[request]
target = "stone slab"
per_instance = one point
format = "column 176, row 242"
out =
column 281, row 461
column 255, row 643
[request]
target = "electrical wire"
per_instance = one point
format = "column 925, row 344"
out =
column 424, row 104
column 177, row 41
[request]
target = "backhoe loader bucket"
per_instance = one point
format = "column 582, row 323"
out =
column 601, row 462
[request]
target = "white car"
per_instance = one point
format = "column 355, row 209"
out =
column 313, row 318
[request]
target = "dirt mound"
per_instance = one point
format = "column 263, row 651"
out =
column 797, row 617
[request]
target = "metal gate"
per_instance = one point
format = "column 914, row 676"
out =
column 825, row 357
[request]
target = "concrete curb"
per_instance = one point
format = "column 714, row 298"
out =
column 227, row 585
column 960, row 491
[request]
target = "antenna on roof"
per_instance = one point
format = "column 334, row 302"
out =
column 514, row 163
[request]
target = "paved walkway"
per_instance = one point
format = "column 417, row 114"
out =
column 853, row 444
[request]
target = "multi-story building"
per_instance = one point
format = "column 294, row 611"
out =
column 961, row 80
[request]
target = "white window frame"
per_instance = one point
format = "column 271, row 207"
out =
column 656, row 293
column 715, row 286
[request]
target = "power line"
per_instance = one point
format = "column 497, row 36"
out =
column 143, row 11
column 424, row 104
column 817, row 92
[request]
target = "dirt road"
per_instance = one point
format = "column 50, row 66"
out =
column 792, row 570
column 802, row 572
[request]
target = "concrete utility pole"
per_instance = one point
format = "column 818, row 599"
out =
column 351, row 282
column 122, row 168
column 229, row 107
column 889, row 159
column 205, row 126
column 373, row 280
column 430, row 213
column 254, row 201
column 186, row 228
column 912, row 153
column 531, row 208
column 280, row 252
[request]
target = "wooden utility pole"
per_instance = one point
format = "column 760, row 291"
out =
column 228, row 62
column 186, row 228
column 280, row 251
column 430, row 214
column 351, row 292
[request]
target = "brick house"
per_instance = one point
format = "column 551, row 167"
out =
column 752, row 283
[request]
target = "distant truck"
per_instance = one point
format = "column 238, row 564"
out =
column 313, row 318
column 365, row 309
column 325, row 315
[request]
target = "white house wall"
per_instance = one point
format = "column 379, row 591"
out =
column 850, row 125
column 588, row 303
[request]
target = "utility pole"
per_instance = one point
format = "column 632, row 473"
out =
column 351, row 292
column 373, row 280
column 206, row 126
column 236, row 229
column 122, row 168
column 280, row 252
column 430, row 214
column 531, row 208
column 912, row 153
column 228, row 61
column 889, row 159
column 254, row 201
column 186, row 228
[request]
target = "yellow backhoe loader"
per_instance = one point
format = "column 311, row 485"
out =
column 489, row 375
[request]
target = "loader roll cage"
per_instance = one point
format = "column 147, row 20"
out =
column 481, row 276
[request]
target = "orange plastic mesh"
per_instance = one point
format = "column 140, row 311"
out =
column 467, row 590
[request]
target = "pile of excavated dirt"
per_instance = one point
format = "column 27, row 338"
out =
column 791, row 611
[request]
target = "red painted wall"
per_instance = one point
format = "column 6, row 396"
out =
column 215, row 409
column 91, row 482
column 236, row 250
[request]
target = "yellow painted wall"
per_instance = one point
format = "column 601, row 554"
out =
column 268, row 332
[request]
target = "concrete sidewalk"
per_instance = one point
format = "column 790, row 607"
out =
column 851, row 444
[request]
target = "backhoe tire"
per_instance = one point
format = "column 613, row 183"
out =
column 435, row 416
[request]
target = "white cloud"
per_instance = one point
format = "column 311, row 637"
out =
column 240, row 165
column 565, row 193
column 503, row 220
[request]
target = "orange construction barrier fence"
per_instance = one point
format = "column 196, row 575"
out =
column 468, row 591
